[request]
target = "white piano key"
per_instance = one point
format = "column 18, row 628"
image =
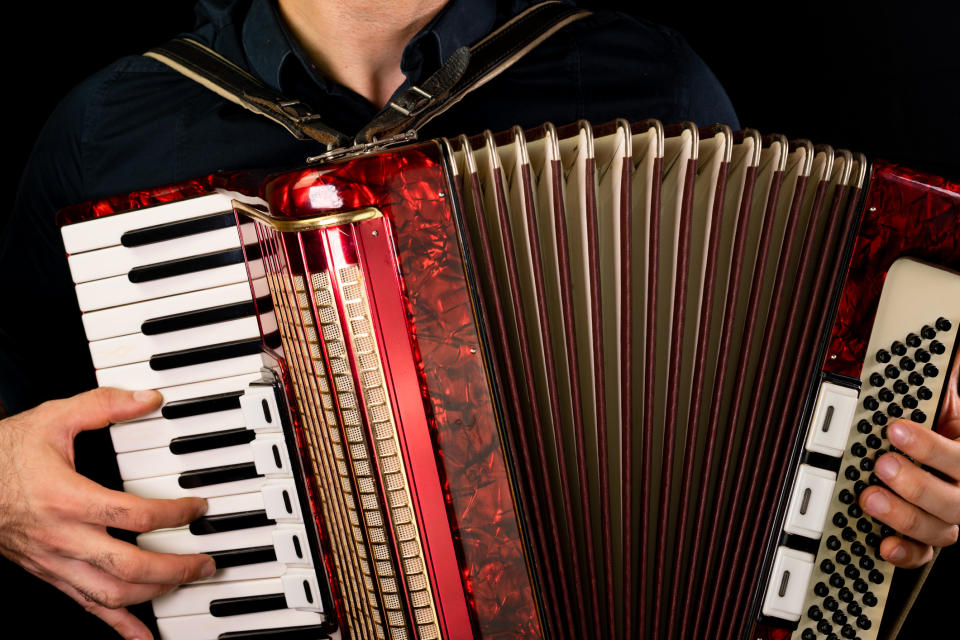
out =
column 150, row 434
column 832, row 417
column 159, row 432
column 149, row 463
column 201, row 389
column 286, row 539
column 291, row 546
column 788, row 584
column 118, row 290
column 270, row 455
column 207, row 627
column 137, row 347
column 257, row 571
column 194, row 599
column 269, row 499
column 118, row 321
column 120, row 260
column 169, row 487
column 235, row 504
column 141, row 376
column 259, row 406
column 104, row 232
column 301, row 590
column 181, row 540
column 810, row 501
column 280, row 507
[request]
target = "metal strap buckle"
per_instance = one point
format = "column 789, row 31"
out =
column 418, row 107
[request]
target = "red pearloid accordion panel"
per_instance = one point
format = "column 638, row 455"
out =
column 511, row 362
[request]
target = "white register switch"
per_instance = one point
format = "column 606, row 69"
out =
column 832, row 417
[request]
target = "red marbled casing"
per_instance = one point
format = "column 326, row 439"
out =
column 428, row 333
column 906, row 214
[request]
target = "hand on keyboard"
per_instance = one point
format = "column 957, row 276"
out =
column 53, row 521
column 923, row 507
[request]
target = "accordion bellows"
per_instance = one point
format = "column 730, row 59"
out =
column 617, row 381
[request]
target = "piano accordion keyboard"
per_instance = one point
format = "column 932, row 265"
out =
column 190, row 328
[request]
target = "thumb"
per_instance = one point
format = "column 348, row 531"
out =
column 98, row 408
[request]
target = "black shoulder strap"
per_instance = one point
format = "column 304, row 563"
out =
column 223, row 77
column 465, row 70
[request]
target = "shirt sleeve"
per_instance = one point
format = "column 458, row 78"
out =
column 43, row 352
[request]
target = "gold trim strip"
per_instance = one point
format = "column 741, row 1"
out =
column 324, row 221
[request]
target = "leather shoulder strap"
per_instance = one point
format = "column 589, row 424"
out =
column 204, row 65
column 464, row 71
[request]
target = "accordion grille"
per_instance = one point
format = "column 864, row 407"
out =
column 353, row 443
column 336, row 499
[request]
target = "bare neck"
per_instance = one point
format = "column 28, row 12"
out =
column 359, row 43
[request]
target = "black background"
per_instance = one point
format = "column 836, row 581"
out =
column 878, row 77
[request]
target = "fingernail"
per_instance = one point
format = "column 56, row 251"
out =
column 208, row 569
column 899, row 434
column 146, row 396
column 877, row 503
column 887, row 467
column 897, row 553
column 202, row 509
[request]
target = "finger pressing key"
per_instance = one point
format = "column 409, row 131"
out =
column 926, row 447
column 105, row 589
column 133, row 513
column 906, row 554
column 132, row 564
column 920, row 487
column 907, row 518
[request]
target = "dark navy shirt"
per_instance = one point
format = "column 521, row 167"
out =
column 138, row 124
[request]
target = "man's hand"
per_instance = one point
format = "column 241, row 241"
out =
column 923, row 508
column 53, row 521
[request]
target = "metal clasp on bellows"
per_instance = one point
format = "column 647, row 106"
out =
column 364, row 147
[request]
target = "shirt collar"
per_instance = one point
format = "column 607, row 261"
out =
column 266, row 43
column 269, row 47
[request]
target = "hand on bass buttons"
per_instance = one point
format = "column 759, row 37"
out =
column 923, row 508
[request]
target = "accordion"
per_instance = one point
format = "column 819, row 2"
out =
column 609, row 381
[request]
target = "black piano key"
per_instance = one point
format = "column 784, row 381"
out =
column 217, row 475
column 214, row 440
column 209, row 353
column 178, row 229
column 201, row 405
column 225, row 607
column 192, row 264
column 312, row 632
column 182, row 266
column 203, row 317
column 224, row 522
column 242, row 557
